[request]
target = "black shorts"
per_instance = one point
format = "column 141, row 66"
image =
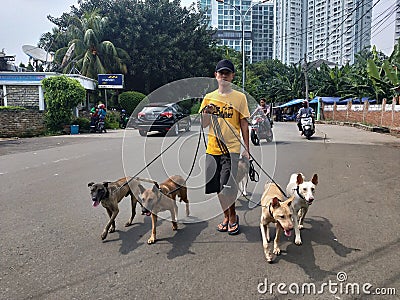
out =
column 221, row 171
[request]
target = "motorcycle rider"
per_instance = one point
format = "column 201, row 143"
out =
column 265, row 109
column 123, row 120
column 94, row 116
column 102, row 112
column 305, row 110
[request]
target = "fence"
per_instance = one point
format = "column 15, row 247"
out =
column 384, row 115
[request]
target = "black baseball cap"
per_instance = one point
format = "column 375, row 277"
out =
column 225, row 64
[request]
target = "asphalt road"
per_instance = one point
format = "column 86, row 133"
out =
column 50, row 234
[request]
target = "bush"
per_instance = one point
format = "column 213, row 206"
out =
column 129, row 101
column 112, row 119
column 84, row 124
column 61, row 95
column 195, row 108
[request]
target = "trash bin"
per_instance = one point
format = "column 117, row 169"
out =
column 74, row 129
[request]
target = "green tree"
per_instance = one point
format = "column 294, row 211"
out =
column 129, row 100
column 62, row 94
column 93, row 54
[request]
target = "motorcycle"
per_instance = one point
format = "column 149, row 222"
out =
column 98, row 125
column 307, row 125
column 123, row 120
column 261, row 128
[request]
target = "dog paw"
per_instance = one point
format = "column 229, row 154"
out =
column 298, row 242
column 174, row 226
column 277, row 251
column 151, row 240
column 300, row 227
column 104, row 235
column 111, row 230
column 127, row 224
column 269, row 257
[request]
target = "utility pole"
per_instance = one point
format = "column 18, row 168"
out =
column 305, row 74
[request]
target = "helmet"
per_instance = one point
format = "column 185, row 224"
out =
column 101, row 106
column 123, row 110
column 305, row 103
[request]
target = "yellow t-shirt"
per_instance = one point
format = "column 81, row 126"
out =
column 230, row 109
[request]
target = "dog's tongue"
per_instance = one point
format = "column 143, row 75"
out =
column 95, row 203
column 288, row 233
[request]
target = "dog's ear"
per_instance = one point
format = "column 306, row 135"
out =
column 155, row 189
column 315, row 179
column 275, row 202
column 299, row 179
column 105, row 183
column 289, row 201
column 90, row 184
column 141, row 188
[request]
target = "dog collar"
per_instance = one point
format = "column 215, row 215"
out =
column 269, row 210
column 298, row 193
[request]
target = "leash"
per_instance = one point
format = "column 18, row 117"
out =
column 253, row 174
column 252, row 157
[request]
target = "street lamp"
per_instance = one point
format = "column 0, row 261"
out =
column 242, row 16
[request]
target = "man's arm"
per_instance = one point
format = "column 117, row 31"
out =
column 244, row 127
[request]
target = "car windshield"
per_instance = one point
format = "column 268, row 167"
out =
column 154, row 109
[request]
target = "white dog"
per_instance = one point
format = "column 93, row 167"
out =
column 304, row 197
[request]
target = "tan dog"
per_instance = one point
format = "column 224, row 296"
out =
column 109, row 194
column 275, row 211
column 242, row 173
column 303, row 192
column 163, row 197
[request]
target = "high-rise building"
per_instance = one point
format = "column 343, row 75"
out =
column 332, row 30
column 258, row 22
column 290, row 30
column 290, row 35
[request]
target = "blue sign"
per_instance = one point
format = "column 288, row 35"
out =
column 111, row 81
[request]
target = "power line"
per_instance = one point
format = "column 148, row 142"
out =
column 309, row 28
column 337, row 27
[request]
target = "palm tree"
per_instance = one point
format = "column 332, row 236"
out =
column 92, row 55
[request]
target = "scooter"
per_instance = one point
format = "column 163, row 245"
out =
column 307, row 125
column 260, row 128
column 98, row 125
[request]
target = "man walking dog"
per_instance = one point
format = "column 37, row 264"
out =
column 225, row 111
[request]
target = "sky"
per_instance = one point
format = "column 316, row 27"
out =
column 23, row 22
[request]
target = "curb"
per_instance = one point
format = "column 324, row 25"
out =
column 378, row 129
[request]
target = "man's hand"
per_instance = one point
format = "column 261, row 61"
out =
column 209, row 109
column 246, row 154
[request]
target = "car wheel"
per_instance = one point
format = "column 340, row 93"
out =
column 189, row 125
column 175, row 129
column 143, row 132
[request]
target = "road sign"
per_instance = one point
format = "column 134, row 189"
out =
column 111, row 81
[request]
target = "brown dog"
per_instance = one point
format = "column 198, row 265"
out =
column 163, row 197
column 275, row 211
column 109, row 194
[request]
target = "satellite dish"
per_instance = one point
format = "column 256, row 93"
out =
column 68, row 54
column 37, row 53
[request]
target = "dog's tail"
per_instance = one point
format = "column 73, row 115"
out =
column 141, row 179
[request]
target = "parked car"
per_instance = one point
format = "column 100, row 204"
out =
column 163, row 117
